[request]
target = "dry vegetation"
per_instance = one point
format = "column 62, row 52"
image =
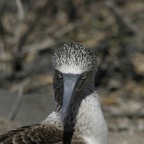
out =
column 31, row 31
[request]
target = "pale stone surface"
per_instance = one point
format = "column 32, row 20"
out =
column 6, row 125
column 126, row 138
column 34, row 107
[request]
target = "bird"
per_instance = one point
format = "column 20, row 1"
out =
column 77, row 118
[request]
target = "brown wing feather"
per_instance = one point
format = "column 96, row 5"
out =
column 36, row 134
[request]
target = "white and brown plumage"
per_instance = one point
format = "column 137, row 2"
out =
column 78, row 117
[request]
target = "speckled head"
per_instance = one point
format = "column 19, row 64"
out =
column 74, row 58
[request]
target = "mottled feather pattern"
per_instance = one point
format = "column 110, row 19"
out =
column 73, row 54
column 37, row 134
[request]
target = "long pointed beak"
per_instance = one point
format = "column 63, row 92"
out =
column 69, row 90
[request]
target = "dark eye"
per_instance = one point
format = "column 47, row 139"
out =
column 83, row 76
column 59, row 75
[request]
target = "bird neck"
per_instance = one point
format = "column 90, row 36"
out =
column 86, row 120
column 90, row 123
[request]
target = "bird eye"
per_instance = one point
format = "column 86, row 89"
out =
column 83, row 76
column 60, row 75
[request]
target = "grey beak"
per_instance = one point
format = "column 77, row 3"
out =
column 69, row 90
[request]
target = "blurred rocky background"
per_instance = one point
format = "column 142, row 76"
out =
column 31, row 31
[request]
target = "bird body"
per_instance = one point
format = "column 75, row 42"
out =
column 90, row 126
column 78, row 118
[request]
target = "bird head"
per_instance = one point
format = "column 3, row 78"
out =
column 74, row 70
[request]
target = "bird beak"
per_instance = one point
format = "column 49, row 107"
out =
column 69, row 90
